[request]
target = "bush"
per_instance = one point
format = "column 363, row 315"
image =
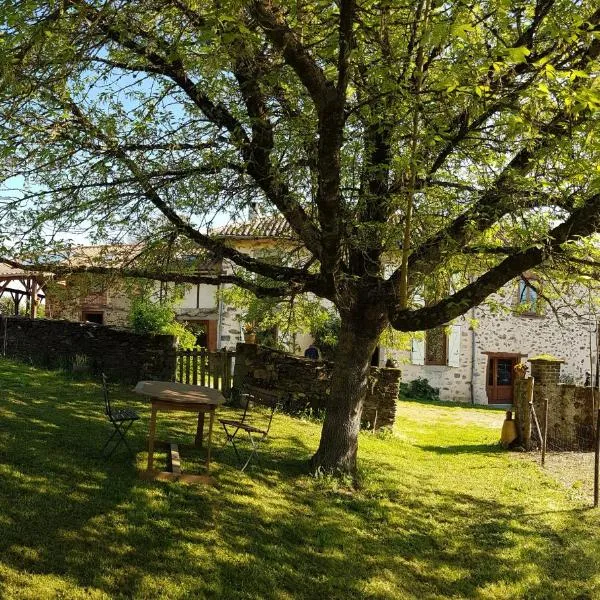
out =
column 150, row 317
column 419, row 389
column 326, row 335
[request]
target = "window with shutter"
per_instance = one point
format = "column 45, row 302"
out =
column 435, row 346
column 454, row 346
column 417, row 354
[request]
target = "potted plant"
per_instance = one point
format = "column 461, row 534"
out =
column 249, row 333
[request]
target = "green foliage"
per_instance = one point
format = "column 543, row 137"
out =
column 148, row 316
column 326, row 333
column 186, row 340
column 419, row 389
column 302, row 314
column 7, row 306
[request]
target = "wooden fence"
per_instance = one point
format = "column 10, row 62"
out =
column 210, row 369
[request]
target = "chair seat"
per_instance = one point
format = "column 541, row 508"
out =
column 125, row 414
column 244, row 426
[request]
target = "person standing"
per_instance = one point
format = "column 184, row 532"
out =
column 312, row 352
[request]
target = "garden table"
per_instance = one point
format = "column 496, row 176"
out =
column 173, row 396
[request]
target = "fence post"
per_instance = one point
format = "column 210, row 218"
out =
column 226, row 372
column 203, row 366
column 527, row 413
column 195, row 366
column 545, row 438
column 597, row 459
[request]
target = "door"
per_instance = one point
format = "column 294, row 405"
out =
column 500, row 379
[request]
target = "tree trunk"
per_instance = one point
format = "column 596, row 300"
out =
column 339, row 437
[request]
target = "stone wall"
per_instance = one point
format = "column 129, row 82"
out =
column 75, row 297
column 123, row 355
column 570, row 408
column 302, row 383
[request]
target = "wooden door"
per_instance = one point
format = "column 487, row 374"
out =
column 500, row 379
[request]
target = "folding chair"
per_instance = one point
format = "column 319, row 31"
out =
column 255, row 423
column 122, row 420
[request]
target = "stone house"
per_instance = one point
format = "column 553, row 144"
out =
column 473, row 359
column 217, row 325
column 470, row 360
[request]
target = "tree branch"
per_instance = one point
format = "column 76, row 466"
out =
column 217, row 247
column 294, row 53
column 164, row 276
column 261, row 171
column 579, row 224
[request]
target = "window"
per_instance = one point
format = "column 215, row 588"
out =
column 528, row 303
column 435, row 346
column 439, row 346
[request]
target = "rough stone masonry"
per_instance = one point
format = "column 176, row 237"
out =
column 124, row 356
column 303, row 384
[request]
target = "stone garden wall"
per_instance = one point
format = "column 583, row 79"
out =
column 570, row 408
column 303, row 384
column 123, row 355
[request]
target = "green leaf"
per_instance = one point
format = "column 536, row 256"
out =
column 518, row 54
column 462, row 30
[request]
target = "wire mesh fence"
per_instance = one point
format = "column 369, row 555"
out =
column 572, row 459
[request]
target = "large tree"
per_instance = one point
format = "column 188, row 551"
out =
column 453, row 140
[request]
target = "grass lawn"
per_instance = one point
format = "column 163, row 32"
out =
column 442, row 512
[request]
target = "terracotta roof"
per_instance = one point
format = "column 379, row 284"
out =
column 124, row 255
column 260, row 227
column 8, row 272
column 105, row 255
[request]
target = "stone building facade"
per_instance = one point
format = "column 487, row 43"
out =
column 100, row 303
column 487, row 342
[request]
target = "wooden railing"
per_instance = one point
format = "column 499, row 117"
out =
column 210, row 369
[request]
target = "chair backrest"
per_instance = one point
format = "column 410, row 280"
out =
column 107, row 407
column 251, row 397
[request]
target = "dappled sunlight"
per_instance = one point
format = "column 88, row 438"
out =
column 452, row 516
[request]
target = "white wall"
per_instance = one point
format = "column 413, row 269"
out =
column 206, row 298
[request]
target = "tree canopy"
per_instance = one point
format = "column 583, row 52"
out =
column 407, row 143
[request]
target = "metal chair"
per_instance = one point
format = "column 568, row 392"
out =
column 122, row 420
column 254, row 424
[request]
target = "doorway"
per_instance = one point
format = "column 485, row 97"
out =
column 500, row 378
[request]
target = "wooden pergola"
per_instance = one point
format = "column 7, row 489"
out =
column 21, row 284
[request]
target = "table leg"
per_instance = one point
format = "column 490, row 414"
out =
column 210, row 428
column 200, row 430
column 151, row 438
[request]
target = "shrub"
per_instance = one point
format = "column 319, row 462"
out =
column 419, row 389
column 150, row 317
column 326, row 335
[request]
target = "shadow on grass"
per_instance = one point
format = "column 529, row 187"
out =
column 268, row 534
column 463, row 449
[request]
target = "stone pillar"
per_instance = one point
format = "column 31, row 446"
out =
column 545, row 370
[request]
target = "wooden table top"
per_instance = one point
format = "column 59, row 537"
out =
column 182, row 393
